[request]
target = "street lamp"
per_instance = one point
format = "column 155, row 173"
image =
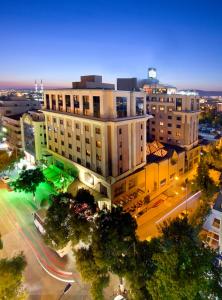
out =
column 66, row 289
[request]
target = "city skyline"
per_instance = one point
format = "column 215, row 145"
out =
column 57, row 42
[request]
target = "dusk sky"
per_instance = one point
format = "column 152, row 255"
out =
column 58, row 41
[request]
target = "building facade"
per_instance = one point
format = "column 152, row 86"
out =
column 33, row 136
column 13, row 131
column 175, row 119
column 102, row 132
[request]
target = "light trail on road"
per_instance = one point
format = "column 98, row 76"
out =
column 175, row 208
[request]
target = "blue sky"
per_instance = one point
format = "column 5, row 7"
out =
column 58, row 41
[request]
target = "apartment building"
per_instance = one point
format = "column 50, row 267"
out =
column 13, row 131
column 175, row 119
column 98, row 130
column 33, row 136
column 13, row 105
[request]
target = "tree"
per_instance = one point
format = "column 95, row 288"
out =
column 11, row 278
column 29, row 180
column 184, row 267
column 203, row 179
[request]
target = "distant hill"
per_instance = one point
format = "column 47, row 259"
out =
column 209, row 93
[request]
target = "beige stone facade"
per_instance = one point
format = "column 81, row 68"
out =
column 175, row 119
column 100, row 132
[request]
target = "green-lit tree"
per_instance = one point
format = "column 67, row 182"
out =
column 11, row 277
column 28, row 181
column 184, row 267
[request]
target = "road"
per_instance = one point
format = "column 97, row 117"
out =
column 168, row 209
column 44, row 266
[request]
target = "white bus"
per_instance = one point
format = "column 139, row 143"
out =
column 39, row 219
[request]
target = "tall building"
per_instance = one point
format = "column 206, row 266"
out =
column 98, row 130
column 175, row 119
column 13, row 131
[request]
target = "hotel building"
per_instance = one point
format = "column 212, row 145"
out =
column 98, row 130
column 175, row 119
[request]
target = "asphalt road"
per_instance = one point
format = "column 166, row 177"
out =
column 19, row 234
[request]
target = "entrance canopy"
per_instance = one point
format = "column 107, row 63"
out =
column 60, row 179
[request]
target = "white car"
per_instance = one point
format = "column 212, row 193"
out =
column 5, row 179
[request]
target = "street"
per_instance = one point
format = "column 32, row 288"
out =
column 46, row 273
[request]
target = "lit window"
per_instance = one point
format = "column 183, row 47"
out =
column 161, row 108
column 216, row 223
column 98, row 144
column 161, row 130
column 153, row 107
column 161, row 123
column 87, row 153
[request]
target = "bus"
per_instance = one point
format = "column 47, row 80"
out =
column 39, row 219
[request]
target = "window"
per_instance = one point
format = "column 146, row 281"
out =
column 141, row 148
column 70, row 146
column 178, row 134
column 96, row 106
column 169, row 132
column 68, row 123
column 68, row 102
column 139, row 106
column 98, row 131
column 78, row 149
column 141, row 126
column 63, row 153
column 153, row 107
column 121, row 107
column 141, row 137
column 50, row 147
column 178, row 126
column 120, row 131
column 120, row 157
column 153, row 129
column 99, row 171
column 78, row 137
column 120, row 170
column 98, row 157
column 62, row 142
column 98, row 144
column 169, row 117
column 61, row 122
column 76, row 104
column 85, row 104
column 178, row 118
column 56, row 140
column 170, row 109
column 161, row 124
column 216, row 223
column 161, row 108
column 161, row 130
column 153, row 122
column 69, row 135
column 62, row 132
column 87, row 153
column 120, row 144
column 56, row 150
column 70, row 156
column 87, row 141
column 169, row 125
column 87, row 165
column 54, row 120
column 178, row 104
column 77, row 126
column 78, row 160
column 86, row 127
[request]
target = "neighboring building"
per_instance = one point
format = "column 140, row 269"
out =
column 13, row 105
column 219, row 107
column 13, row 128
column 175, row 119
column 33, row 136
column 92, row 82
column 127, row 84
column 213, row 226
column 101, row 131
